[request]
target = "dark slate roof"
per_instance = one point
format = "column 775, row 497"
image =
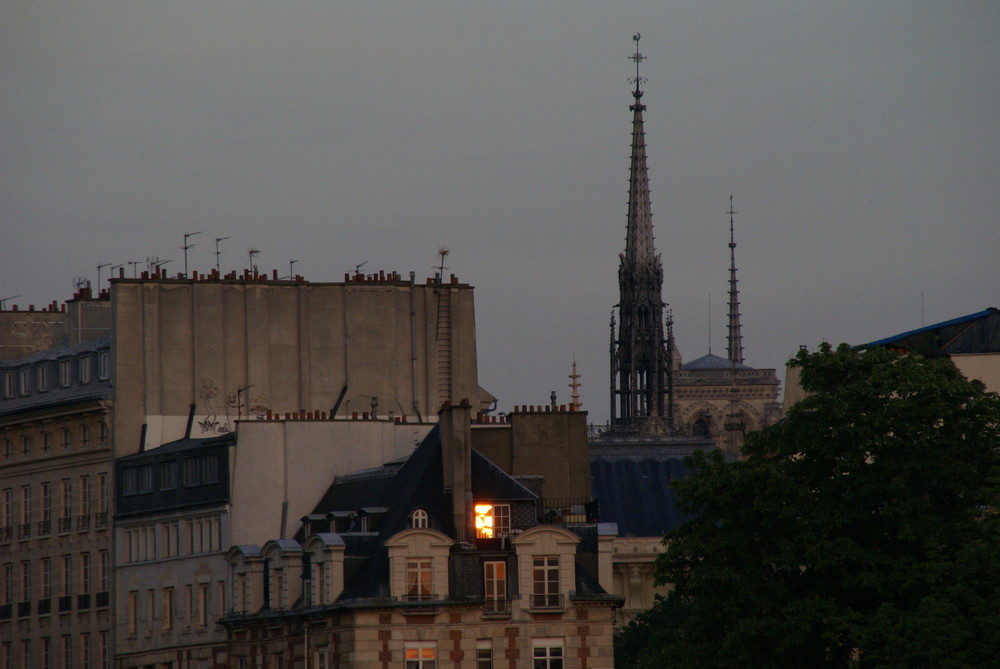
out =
column 401, row 487
column 491, row 482
column 59, row 352
column 181, row 445
column 711, row 361
column 975, row 333
column 96, row 389
column 636, row 494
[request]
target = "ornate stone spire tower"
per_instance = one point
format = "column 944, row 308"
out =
column 639, row 361
column 735, row 337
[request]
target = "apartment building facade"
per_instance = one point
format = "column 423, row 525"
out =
column 56, row 569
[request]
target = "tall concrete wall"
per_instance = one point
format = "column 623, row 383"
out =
column 239, row 348
column 285, row 467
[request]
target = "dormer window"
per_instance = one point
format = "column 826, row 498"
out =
column 419, row 519
column 9, row 385
column 65, row 373
column 492, row 520
column 545, row 583
column 25, row 378
column 42, row 378
column 103, row 365
column 85, row 369
column 418, row 580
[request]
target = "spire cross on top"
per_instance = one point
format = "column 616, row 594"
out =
column 638, row 58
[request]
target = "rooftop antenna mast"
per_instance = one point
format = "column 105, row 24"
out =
column 4, row 299
column 154, row 263
column 99, row 268
column 252, row 252
column 188, row 235
column 357, row 268
column 218, row 253
column 291, row 273
column 443, row 252
column 134, row 264
column 113, row 268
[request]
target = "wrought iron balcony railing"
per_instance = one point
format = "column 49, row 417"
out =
column 496, row 607
column 546, row 602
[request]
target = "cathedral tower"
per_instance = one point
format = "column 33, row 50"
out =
column 639, row 360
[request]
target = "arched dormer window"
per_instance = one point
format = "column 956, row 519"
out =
column 419, row 519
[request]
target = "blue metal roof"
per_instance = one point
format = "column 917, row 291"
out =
column 975, row 333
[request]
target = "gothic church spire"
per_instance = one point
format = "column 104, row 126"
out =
column 735, row 337
column 639, row 361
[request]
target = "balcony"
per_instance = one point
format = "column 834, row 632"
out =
column 65, row 603
column 44, row 606
column 102, row 599
column 6, row 533
column 5, row 611
column 568, row 510
column 65, row 524
column 420, row 603
column 546, row 602
column 44, row 528
column 496, row 608
column 83, row 522
column 24, row 531
column 101, row 519
column 83, row 601
column 23, row 609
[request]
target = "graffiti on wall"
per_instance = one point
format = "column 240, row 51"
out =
column 235, row 404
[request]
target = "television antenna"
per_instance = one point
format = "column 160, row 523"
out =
column 134, row 264
column 253, row 253
column 154, row 263
column 4, row 299
column 99, row 268
column 357, row 268
column 443, row 252
column 188, row 235
column 291, row 273
column 218, row 253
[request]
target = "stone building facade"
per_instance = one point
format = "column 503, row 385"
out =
column 56, row 572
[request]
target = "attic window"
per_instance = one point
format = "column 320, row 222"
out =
column 419, row 518
column 492, row 520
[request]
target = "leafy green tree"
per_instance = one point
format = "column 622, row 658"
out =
column 861, row 531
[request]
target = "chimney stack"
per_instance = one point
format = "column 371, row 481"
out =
column 455, row 424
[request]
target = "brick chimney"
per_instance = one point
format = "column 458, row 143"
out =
column 455, row 425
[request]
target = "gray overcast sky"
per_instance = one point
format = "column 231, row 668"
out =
column 861, row 141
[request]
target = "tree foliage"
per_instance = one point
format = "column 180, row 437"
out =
column 861, row 531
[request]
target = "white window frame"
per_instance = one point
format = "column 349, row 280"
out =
column 85, row 366
column 419, row 580
column 545, row 576
column 548, row 653
column 420, row 654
